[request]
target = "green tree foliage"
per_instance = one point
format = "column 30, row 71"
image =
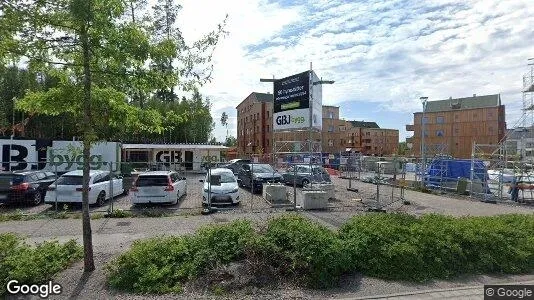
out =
column 99, row 56
column 231, row 141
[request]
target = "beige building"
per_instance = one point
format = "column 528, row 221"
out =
column 255, row 136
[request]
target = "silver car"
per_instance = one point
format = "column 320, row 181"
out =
column 304, row 174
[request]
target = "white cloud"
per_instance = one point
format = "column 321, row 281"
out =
column 389, row 52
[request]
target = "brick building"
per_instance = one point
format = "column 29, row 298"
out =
column 452, row 125
column 254, row 131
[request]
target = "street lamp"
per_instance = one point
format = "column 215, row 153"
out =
column 424, row 101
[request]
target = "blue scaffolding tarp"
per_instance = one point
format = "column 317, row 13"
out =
column 449, row 170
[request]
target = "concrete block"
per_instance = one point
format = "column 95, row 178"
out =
column 314, row 199
column 329, row 188
column 274, row 193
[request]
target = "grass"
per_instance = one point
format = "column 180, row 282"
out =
column 295, row 249
column 19, row 215
column 33, row 265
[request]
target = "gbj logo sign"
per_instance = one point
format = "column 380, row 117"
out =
column 72, row 159
column 288, row 119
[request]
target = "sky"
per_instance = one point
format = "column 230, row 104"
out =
column 382, row 55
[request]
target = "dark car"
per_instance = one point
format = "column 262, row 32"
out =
column 302, row 175
column 254, row 175
column 28, row 187
column 235, row 164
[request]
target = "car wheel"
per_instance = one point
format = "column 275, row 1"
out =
column 37, row 198
column 101, row 198
column 305, row 182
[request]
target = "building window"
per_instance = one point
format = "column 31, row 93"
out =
column 425, row 120
column 475, row 116
column 331, row 115
column 330, row 128
column 426, row 133
column 331, row 143
column 342, row 142
column 490, row 114
column 267, row 142
column 267, row 128
column 341, row 128
column 440, row 119
column 457, row 130
column 490, row 129
column 267, row 114
column 439, row 133
column 456, row 117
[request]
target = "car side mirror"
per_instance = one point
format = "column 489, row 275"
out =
column 201, row 180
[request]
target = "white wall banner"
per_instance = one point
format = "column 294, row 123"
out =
column 19, row 155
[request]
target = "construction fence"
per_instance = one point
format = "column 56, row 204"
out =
column 271, row 184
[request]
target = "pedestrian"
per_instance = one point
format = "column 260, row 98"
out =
column 514, row 189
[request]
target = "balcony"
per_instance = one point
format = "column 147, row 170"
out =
column 410, row 127
column 409, row 140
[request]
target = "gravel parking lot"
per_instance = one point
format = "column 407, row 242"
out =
column 348, row 201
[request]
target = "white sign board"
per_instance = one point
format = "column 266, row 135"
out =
column 63, row 156
column 67, row 156
column 317, row 103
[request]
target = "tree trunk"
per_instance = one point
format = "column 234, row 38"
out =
column 89, row 264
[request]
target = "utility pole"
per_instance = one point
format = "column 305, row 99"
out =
column 423, row 148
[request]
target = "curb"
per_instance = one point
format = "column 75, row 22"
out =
column 413, row 293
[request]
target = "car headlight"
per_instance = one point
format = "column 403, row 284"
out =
column 234, row 190
column 205, row 190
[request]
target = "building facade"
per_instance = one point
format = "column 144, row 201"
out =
column 452, row 126
column 255, row 136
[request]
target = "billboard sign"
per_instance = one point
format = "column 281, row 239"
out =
column 317, row 103
column 292, row 102
column 63, row 156
column 294, row 96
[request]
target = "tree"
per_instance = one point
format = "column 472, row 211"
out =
column 403, row 148
column 99, row 56
column 224, row 122
column 230, row 141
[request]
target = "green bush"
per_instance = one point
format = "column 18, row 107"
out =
column 33, row 265
column 398, row 246
column 305, row 250
column 294, row 248
column 161, row 265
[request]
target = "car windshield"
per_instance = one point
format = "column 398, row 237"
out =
column 262, row 169
column 227, row 177
column 70, row 180
column 152, row 180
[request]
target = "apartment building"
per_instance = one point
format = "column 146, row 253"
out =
column 254, row 124
column 452, row 126
column 254, row 131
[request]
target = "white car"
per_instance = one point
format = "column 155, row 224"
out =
column 226, row 192
column 68, row 187
column 158, row 187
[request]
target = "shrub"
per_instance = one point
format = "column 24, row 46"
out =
column 305, row 249
column 399, row 246
column 161, row 265
column 291, row 247
column 33, row 265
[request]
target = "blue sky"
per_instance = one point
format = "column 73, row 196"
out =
column 383, row 55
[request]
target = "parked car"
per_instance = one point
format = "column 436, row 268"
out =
column 68, row 187
column 24, row 187
column 226, row 192
column 254, row 175
column 158, row 187
column 236, row 164
column 304, row 176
